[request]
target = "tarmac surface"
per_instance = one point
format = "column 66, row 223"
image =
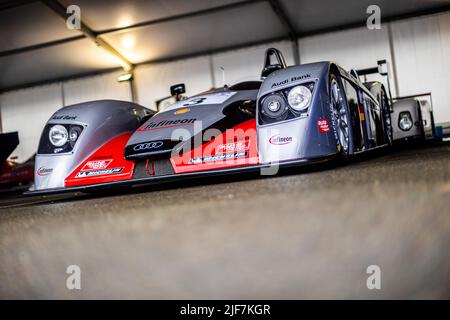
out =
column 305, row 234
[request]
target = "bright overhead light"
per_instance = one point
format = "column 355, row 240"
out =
column 128, row 42
column 125, row 77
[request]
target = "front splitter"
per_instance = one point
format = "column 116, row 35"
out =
column 154, row 180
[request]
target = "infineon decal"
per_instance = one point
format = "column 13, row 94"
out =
column 86, row 174
column 279, row 140
column 43, row 171
column 164, row 123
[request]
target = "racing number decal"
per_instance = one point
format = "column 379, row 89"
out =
column 194, row 102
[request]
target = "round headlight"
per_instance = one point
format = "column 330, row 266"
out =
column 74, row 133
column 299, row 98
column 405, row 122
column 58, row 135
column 274, row 106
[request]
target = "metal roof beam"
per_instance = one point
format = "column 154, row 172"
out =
column 61, row 10
column 283, row 17
column 181, row 16
column 5, row 5
column 134, row 26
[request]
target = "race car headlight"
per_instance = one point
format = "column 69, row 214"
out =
column 405, row 121
column 299, row 98
column 58, row 135
column 74, row 133
column 274, row 106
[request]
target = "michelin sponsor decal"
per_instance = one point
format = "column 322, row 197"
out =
column 219, row 157
column 92, row 173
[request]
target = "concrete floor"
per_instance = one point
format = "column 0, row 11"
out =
column 298, row 236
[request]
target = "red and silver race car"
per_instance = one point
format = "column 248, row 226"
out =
column 292, row 116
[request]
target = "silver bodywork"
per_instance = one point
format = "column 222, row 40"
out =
column 102, row 120
column 305, row 142
column 185, row 120
column 421, row 110
column 411, row 106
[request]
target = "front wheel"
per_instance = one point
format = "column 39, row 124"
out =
column 340, row 117
column 387, row 121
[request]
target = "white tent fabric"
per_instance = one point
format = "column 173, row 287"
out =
column 246, row 64
column 27, row 111
column 355, row 48
column 422, row 48
column 153, row 81
column 99, row 87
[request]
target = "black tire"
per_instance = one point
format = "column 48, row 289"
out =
column 341, row 118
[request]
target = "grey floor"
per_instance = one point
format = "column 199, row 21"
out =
column 298, row 236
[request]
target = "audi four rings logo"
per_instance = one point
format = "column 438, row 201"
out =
column 148, row 145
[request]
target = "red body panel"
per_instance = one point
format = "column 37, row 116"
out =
column 233, row 148
column 107, row 164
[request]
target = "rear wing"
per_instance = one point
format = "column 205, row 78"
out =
column 426, row 95
column 382, row 69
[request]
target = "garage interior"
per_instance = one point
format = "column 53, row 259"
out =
column 304, row 234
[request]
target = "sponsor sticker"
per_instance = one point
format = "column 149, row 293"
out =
column 64, row 117
column 43, row 171
column 165, row 123
column 212, row 98
column 280, row 140
column 233, row 147
column 323, row 125
column 181, row 111
column 219, row 157
column 86, row 174
column 96, row 165
column 292, row 79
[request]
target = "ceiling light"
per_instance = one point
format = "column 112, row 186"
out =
column 125, row 77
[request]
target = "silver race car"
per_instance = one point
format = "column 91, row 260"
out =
column 292, row 116
column 412, row 115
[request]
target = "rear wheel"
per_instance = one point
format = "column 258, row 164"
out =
column 387, row 121
column 340, row 117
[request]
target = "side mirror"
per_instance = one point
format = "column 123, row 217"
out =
column 177, row 89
